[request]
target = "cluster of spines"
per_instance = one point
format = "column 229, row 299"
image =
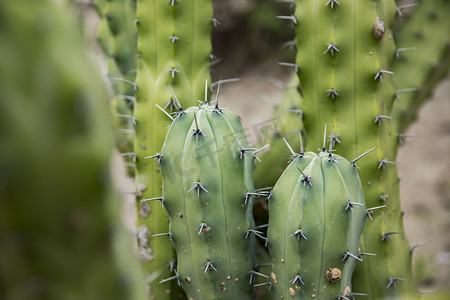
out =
column 173, row 48
column 318, row 200
column 206, row 166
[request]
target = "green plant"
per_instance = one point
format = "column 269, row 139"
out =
column 173, row 48
column 60, row 230
column 352, row 73
column 206, row 166
column 316, row 217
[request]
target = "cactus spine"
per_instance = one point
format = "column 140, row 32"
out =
column 423, row 50
column 316, row 217
column 60, row 234
column 344, row 55
column 173, row 48
column 207, row 186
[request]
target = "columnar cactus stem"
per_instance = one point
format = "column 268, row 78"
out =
column 316, row 217
column 423, row 58
column 207, row 184
column 356, row 67
column 117, row 36
column 60, row 234
column 173, row 48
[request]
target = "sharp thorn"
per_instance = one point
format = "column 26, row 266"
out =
column 167, row 114
column 361, row 156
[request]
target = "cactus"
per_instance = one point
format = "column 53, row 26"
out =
column 343, row 57
column 316, row 217
column 206, row 167
column 117, row 36
column 60, row 234
column 423, row 50
column 173, row 48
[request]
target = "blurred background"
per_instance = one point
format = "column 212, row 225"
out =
column 249, row 48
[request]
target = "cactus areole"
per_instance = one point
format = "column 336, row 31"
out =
column 316, row 217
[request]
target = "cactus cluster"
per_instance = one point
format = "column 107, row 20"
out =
column 333, row 233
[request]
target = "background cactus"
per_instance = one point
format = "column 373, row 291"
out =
column 421, row 52
column 117, row 35
column 60, row 230
column 316, row 217
column 207, row 166
column 173, row 48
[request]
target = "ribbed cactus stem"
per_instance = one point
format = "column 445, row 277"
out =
column 316, row 217
column 60, row 230
column 344, row 57
column 173, row 48
column 422, row 58
column 206, row 166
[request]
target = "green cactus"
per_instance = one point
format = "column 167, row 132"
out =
column 60, row 231
column 423, row 58
column 117, row 35
column 173, row 48
column 343, row 57
column 206, row 167
column 316, row 217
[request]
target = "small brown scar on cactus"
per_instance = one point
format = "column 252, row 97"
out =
column 203, row 227
column 274, row 277
column 379, row 29
column 333, row 274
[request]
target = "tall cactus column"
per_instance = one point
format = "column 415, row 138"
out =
column 117, row 35
column 423, row 52
column 344, row 52
column 60, row 231
column 173, row 49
